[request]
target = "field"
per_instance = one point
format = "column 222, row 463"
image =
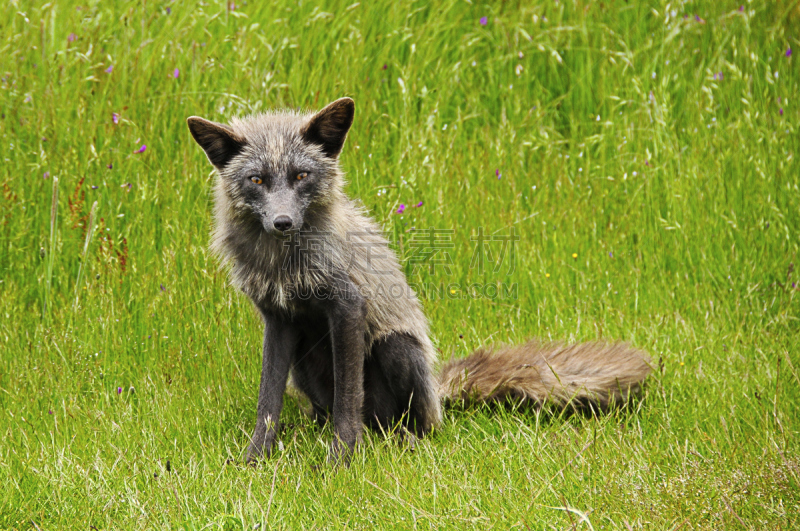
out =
column 616, row 170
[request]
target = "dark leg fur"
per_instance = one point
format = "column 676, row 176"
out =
column 280, row 341
column 398, row 384
column 345, row 312
column 328, row 365
column 312, row 370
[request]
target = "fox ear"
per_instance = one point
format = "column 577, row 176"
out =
column 328, row 128
column 219, row 141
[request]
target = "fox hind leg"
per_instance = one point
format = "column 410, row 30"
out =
column 399, row 385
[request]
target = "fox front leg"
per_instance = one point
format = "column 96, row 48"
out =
column 347, row 320
column 280, row 341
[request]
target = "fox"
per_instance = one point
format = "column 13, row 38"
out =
column 337, row 310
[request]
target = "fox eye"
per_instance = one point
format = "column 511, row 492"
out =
column 301, row 176
column 256, row 179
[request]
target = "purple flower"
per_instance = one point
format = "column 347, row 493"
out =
column 647, row 163
column 401, row 209
column 163, row 288
column 169, row 11
column 46, row 175
column 794, row 285
column 718, row 76
column 94, row 187
column 484, row 21
column 49, row 411
column 741, row 8
column 115, row 117
column 610, row 254
column 176, row 73
column 698, row 19
column 385, row 66
column 789, row 52
column 109, row 69
column 781, row 111
column 71, row 37
column 141, row 149
column 110, row 166
column 498, row 174
column 119, row 390
column 418, row 205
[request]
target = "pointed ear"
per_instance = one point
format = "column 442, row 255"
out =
column 328, row 128
column 219, row 141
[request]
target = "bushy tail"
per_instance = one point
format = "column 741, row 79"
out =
column 582, row 374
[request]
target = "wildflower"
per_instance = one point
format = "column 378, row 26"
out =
column 110, row 166
column 163, row 288
column 741, row 8
column 610, row 254
column 94, row 187
column 698, row 19
column 574, row 255
column 547, row 275
column 789, row 51
column 119, row 390
column 115, row 117
column 498, row 174
column 46, row 175
column 109, row 69
column 49, row 411
column 418, row 205
column 718, row 76
column 401, row 209
column 141, row 149
column 385, row 66
column 781, row 111
column 169, row 11
column 71, row 37
column 484, row 21
column 176, row 73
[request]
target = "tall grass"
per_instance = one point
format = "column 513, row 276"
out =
column 643, row 152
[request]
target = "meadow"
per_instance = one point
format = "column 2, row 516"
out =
column 599, row 170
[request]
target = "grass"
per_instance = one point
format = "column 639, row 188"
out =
column 646, row 154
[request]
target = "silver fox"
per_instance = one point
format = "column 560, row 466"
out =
column 325, row 282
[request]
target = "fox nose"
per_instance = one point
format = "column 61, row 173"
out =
column 282, row 223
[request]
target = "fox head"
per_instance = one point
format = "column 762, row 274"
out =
column 276, row 168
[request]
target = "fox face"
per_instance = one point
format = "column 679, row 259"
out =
column 275, row 169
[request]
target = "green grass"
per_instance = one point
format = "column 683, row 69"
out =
column 618, row 143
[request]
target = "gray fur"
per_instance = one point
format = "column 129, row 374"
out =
column 337, row 309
